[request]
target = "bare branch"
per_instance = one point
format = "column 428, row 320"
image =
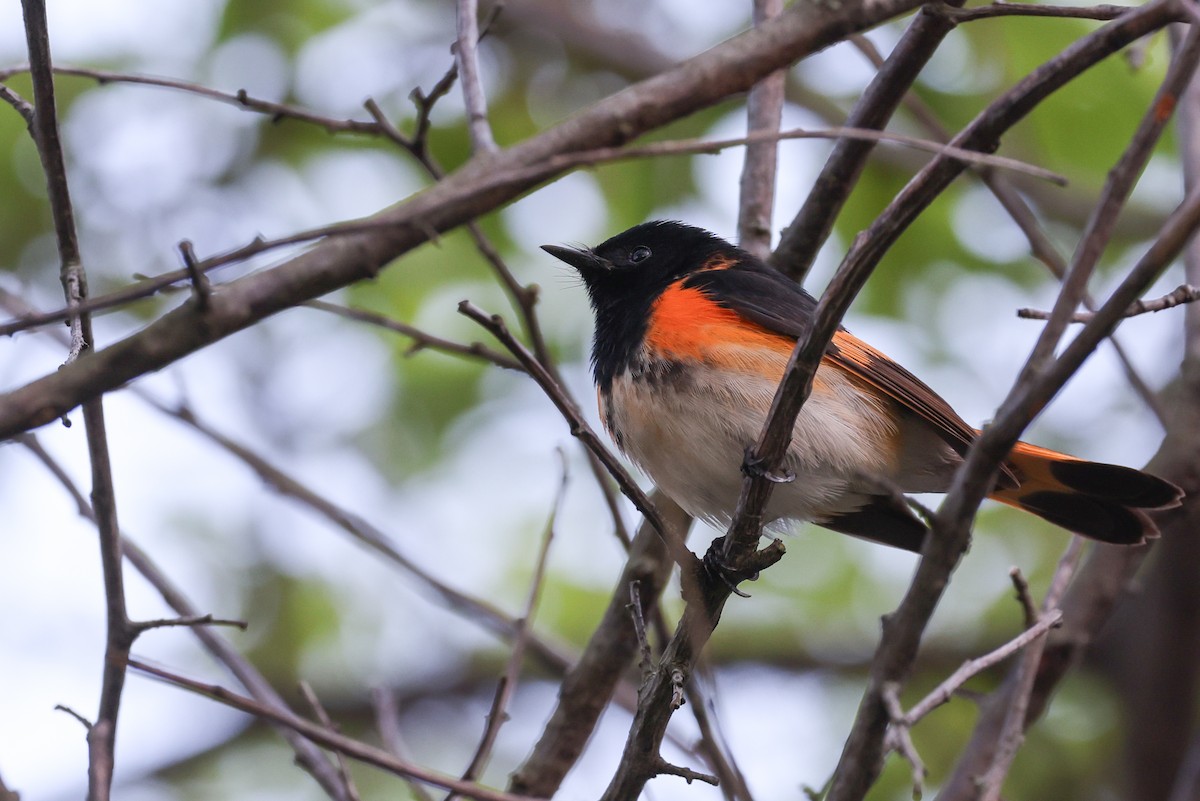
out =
column 387, row 717
column 582, row 431
column 973, row 667
column 1117, row 188
column 466, row 54
column 188, row 622
column 497, row 715
column 1018, row 208
column 20, row 104
column 421, row 340
column 861, row 758
column 241, row 98
column 120, row 632
column 1096, row 12
column 314, row 703
column 1028, row 608
column 1184, row 293
column 764, row 112
column 900, row 739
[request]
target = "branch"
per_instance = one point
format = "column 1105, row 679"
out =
column 120, row 632
column 1090, row 607
column 764, row 111
column 972, row 667
column 22, row 107
column 387, row 716
column 1117, row 188
column 349, row 790
column 421, row 340
column 148, row 287
column 1096, row 12
column 1184, row 293
column 507, row 686
column 240, row 98
column 580, row 429
column 466, row 54
column 1040, row 244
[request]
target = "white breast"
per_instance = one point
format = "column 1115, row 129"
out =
column 689, row 431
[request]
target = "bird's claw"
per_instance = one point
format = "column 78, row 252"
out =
column 755, row 467
column 714, row 565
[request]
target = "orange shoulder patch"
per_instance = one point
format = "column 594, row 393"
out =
column 687, row 323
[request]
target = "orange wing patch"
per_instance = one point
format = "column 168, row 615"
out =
column 902, row 386
column 685, row 323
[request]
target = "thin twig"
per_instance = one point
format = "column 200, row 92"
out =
column 646, row 658
column 1024, row 597
column 120, row 632
column 240, row 98
column 188, row 621
column 148, row 287
column 1012, row 732
column 200, row 286
column 314, row 703
column 1184, row 293
column 972, row 667
column 1096, row 12
column 387, row 720
column 901, row 739
column 580, row 429
column 87, row 724
column 466, row 53
column 507, row 685
column 22, row 106
column 421, row 340
column 764, row 112
column 684, row 147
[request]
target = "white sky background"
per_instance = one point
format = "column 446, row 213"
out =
column 144, row 167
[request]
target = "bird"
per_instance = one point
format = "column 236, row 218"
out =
column 692, row 336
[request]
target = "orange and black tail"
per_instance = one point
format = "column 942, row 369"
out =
column 1101, row 501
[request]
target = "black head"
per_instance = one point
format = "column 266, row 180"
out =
column 625, row 275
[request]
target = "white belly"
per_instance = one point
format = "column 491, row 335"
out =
column 690, row 433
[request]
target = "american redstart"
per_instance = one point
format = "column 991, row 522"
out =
column 692, row 337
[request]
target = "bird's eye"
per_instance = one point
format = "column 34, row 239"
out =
column 639, row 254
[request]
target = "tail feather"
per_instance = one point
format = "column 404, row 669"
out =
column 1101, row 501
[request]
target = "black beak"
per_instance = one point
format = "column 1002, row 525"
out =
column 585, row 261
